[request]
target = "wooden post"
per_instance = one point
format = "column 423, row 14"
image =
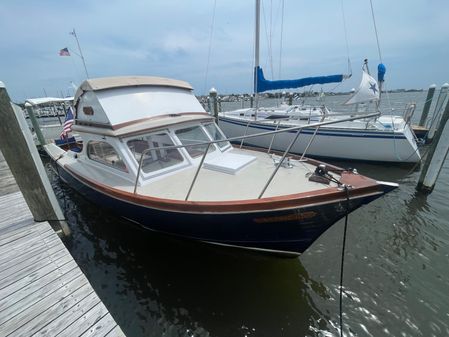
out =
column 213, row 97
column 35, row 123
column 436, row 118
column 16, row 143
column 437, row 155
column 425, row 110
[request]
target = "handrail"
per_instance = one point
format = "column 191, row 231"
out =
column 231, row 139
column 310, row 143
column 197, row 171
column 280, row 164
column 272, row 138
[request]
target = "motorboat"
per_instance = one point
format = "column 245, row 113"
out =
column 153, row 155
column 47, row 114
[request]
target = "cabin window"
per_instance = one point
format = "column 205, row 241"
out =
column 154, row 159
column 192, row 135
column 104, row 153
column 216, row 134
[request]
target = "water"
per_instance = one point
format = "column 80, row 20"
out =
column 396, row 270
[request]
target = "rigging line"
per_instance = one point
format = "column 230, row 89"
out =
column 281, row 39
column 267, row 36
column 346, row 37
column 210, row 46
column 271, row 37
column 375, row 30
column 343, row 259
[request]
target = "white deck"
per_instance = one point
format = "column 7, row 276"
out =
column 247, row 183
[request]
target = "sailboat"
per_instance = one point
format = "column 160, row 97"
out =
column 378, row 137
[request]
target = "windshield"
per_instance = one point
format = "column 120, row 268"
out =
column 154, row 159
column 216, row 134
column 192, row 135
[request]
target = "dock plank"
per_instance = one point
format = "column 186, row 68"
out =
column 21, row 244
column 25, row 271
column 33, row 299
column 20, row 294
column 101, row 328
column 28, row 321
column 42, row 290
column 85, row 322
column 31, row 257
column 69, row 316
column 6, row 261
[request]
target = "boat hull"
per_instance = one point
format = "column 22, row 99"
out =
column 329, row 142
column 289, row 231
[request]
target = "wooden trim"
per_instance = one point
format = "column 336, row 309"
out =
column 137, row 121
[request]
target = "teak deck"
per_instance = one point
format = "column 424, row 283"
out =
column 42, row 290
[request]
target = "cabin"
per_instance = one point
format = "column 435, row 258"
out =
column 124, row 121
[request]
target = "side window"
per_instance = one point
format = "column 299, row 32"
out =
column 104, row 153
column 192, row 135
column 154, row 159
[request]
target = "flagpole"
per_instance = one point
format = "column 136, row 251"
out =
column 81, row 53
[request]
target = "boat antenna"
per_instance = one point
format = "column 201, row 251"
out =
column 81, row 53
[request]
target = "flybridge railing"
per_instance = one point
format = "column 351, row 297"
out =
column 233, row 139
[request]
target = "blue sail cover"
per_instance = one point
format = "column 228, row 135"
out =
column 264, row 85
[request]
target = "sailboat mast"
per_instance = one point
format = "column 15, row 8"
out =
column 256, row 56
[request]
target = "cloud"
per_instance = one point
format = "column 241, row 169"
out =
column 171, row 38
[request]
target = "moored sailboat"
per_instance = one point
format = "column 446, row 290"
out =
column 383, row 138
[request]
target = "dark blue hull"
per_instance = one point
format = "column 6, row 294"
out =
column 289, row 231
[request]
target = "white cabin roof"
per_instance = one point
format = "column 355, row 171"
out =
column 103, row 83
column 114, row 102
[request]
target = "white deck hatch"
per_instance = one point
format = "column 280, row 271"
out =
column 229, row 163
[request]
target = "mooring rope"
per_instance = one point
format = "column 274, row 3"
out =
column 343, row 259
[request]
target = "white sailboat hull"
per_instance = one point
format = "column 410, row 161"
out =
column 330, row 141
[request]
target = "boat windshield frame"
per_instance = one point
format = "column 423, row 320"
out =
column 163, row 170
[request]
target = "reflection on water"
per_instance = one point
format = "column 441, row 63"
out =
column 396, row 262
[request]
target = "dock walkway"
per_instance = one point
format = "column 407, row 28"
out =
column 43, row 292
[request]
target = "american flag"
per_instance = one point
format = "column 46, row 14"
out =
column 64, row 52
column 68, row 122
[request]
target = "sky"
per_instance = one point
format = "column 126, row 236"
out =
column 185, row 40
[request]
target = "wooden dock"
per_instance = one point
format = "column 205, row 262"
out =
column 42, row 290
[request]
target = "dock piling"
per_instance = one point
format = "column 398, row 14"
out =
column 437, row 155
column 213, row 97
column 35, row 123
column 19, row 151
column 425, row 111
column 436, row 117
